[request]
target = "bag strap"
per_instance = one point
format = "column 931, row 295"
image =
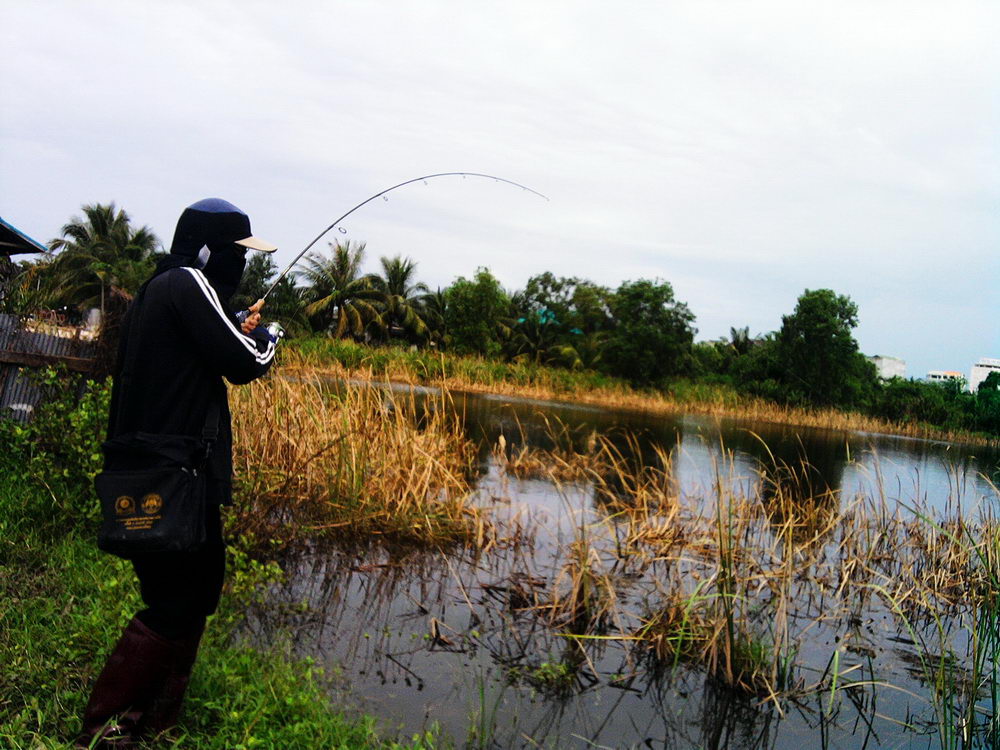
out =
column 131, row 354
column 210, row 432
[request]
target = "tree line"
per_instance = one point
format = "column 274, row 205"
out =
column 638, row 331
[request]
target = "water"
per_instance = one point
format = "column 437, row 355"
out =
column 425, row 639
column 902, row 468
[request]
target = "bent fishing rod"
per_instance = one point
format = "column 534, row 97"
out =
column 379, row 195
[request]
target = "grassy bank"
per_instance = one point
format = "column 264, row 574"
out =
column 63, row 605
column 342, row 358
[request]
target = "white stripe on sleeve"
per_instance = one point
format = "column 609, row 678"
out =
column 213, row 299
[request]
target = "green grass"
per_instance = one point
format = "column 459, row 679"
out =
column 552, row 678
column 62, row 606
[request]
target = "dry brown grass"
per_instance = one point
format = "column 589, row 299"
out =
column 711, row 403
column 562, row 463
column 619, row 472
column 583, row 594
column 358, row 463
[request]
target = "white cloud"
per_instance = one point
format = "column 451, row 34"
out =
column 743, row 151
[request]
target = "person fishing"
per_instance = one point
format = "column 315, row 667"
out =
column 179, row 342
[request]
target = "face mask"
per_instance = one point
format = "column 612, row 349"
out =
column 224, row 269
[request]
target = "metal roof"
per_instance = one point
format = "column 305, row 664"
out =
column 15, row 242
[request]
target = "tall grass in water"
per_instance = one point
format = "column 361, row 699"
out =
column 742, row 577
column 964, row 691
column 705, row 609
column 355, row 463
column 724, row 585
column 772, row 573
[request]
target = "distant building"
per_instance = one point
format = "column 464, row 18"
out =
column 888, row 367
column 981, row 370
column 943, row 376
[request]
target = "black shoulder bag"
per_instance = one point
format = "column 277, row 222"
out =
column 153, row 500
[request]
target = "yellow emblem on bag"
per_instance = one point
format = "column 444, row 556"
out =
column 151, row 503
column 125, row 505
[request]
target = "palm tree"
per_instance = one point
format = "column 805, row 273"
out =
column 433, row 311
column 584, row 353
column 24, row 293
column 342, row 301
column 100, row 253
column 529, row 339
column 285, row 304
column 403, row 296
column 740, row 340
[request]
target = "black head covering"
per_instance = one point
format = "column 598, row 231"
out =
column 205, row 238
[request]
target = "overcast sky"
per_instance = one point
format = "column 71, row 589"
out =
column 742, row 151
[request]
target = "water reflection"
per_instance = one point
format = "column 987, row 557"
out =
column 422, row 638
column 853, row 463
column 848, row 463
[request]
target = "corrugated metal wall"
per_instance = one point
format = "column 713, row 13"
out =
column 18, row 394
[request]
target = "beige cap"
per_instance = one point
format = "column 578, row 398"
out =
column 256, row 243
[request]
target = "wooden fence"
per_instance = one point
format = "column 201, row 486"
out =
column 26, row 345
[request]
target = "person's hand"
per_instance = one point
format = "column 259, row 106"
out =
column 253, row 319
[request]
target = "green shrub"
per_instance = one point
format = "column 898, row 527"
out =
column 58, row 452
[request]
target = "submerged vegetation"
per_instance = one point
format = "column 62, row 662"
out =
column 745, row 581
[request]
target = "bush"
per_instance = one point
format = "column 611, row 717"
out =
column 59, row 451
column 652, row 335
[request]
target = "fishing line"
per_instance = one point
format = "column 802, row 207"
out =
column 382, row 195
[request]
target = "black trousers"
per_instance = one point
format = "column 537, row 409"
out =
column 181, row 589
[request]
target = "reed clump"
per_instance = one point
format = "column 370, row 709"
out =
column 620, row 473
column 563, row 463
column 754, row 589
column 584, row 598
column 355, row 463
column 678, row 630
column 638, row 483
column 541, row 463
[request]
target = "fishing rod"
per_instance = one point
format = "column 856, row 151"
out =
column 379, row 195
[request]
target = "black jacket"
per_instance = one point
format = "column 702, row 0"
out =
column 188, row 341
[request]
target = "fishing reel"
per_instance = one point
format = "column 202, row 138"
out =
column 275, row 330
